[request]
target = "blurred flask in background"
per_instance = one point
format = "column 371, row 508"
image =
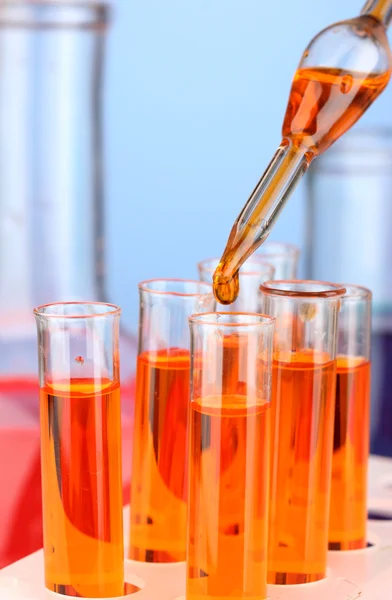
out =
column 349, row 238
column 51, row 218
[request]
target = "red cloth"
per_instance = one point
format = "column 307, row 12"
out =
column 20, row 474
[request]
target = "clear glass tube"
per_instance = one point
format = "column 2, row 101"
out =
column 51, row 171
column 303, row 403
column 51, row 205
column 252, row 274
column 348, row 510
column 81, row 448
column 160, row 443
column 51, row 194
column 228, row 460
column 284, row 257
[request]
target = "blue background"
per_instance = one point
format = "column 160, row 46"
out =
column 195, row 95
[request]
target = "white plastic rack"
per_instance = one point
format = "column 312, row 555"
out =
column 357, row 574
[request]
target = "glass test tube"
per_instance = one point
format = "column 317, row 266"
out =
column 81, row 448
column 284, row 258
column 159, row 473
column 228, row 460
column 303, row 401
column 252, row 274
column 348, row 511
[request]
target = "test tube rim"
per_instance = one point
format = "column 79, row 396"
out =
column 144, row 286
column 271, row 288
column 40, row 311
column 287, row 249
column 258, row 319
column 83, row 4
column 254, row 258
column 100, row 14
column 356, row 292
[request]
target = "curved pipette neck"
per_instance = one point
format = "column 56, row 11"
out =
column 380, row 10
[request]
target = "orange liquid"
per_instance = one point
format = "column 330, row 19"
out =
column 324, row 103
column 159, row 473
column 82, row 488
column 303, row 400
column 227, row 549
column 347, row 522
column 226, row 290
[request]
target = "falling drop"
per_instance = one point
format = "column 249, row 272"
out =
column 79, row 360
column 225, row 289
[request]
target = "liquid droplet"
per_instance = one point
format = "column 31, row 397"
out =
column 346, row 84
column 79, row 360
column 226, row 290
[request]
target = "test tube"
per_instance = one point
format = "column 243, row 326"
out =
column 252, row 274
column 303, row 402
column 348, row 511
column 160, row 445
column 81, row 448
column 229, row 456
column 284, row 257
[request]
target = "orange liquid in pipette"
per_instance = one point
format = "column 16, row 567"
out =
column 348, row 511
column 159, row 473
column 227, row 553
column 303, row 399
column 226, row 292
column 82, row 488
column 323, row 104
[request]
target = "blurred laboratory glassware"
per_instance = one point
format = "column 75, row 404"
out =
column 349, row 216
column 284, row 257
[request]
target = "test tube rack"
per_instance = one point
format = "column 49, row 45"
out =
column 357, row 574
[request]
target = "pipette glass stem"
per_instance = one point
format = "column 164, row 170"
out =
column 254, row 222
column 380, row 10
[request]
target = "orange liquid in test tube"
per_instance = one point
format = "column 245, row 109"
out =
column 303, row 399
column 82, row 488
column 227, row 555
column 347, row 525
column 159, row 474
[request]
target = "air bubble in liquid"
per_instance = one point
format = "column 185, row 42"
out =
column 346, row 83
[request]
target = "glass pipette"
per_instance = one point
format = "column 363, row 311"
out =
column 342, row 71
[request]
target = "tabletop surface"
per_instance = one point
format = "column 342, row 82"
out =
column 358, row 574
